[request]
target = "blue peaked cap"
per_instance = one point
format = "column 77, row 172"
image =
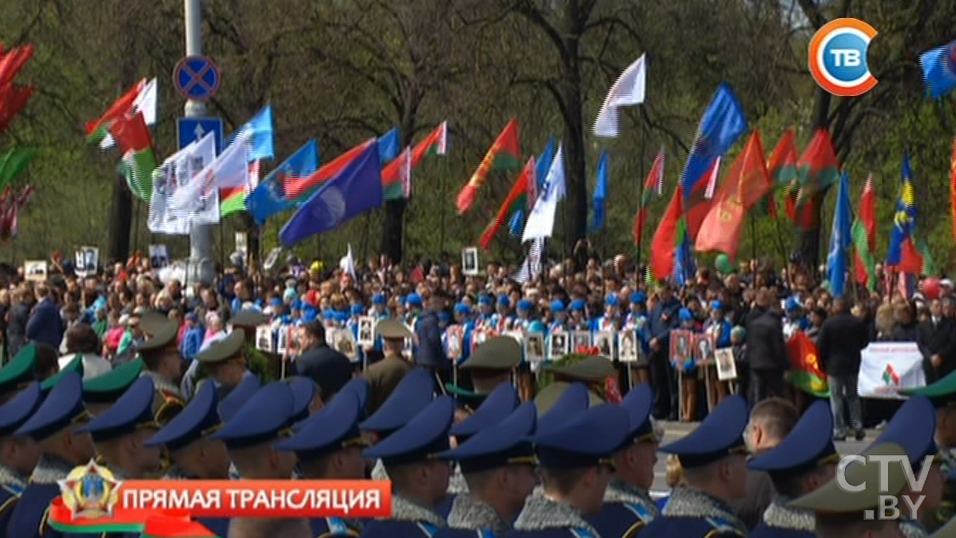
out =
column 587, row 440
column 574, row 400
column 199, row 418
column 62, row 406
column 808, row 446
column 332, row 428
column 17, row 411
column 265, row 416
column 718, row 436
column 913, row 427
column 410, row 396
column 232, row 403
column 497, row 405
column 505, row 443
column 423, row 438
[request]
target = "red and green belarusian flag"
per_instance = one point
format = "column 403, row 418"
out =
column 670, row 234
column 396, row 176
column 233, row 200
column 864, row 237
column 653, row 187
column 139, row 158
column 97, row 130
column 805, row 362
column 504, row 154
column 817, row 169
column 13, row 97
column 13, row 163
column 782, row 168
column 521, row 196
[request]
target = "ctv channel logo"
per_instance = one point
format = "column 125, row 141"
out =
column 837, row 57
column 889, row 507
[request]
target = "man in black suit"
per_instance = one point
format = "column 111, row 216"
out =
column 841, row 339
column 766, row 350
column 662, row 320
column 322, row 364
column 936, row 338
column 430, row 352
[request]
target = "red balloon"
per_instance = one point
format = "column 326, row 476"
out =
column 931, row 288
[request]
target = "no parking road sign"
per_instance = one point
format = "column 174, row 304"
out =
column 196, row 78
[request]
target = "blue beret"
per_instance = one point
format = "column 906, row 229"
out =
column 612, row 300
column 131, row 412
column 586, row 440
column 424, row 437
column 808, row 446
column 638, row 297
column 357, row 310
column 328, row 314
column 310, row 314
column 341, row 316
column 303, row 392
column 410, row 396
column 913, row 427
column 504, row 301
column 237, row 397
column 525, row 304
column 378, row 298
column 62, row 406
column 557, row 306
column 719, row 435
column 296, row 304
column 578, row 304
column 462, row 308
column 444, row 316
column 485, row 300
column 15, row 413
column 332, row 428
column 639, row 403
column 505, row 443
column 792, row 304
column 716, row 305
column 276, row 301
column 497, row 405
column 198, row 419
column 686, row 315
column 574, row 400
column 264, row 417
column 413, row 299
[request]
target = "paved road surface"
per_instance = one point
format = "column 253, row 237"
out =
column 676, row 430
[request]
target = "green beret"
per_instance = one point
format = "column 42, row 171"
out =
column 249, row 317
column 108, row 387
column 392, row 329
column 76, row 365
column 164, row 335
column 499, row 353
column 591, row 369
column 833, row 499
column 19, row 372
column 224, row 349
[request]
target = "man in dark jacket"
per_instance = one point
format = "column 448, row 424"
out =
column 662, row 320
column 936, row 338
column 766, row 350
column 330, row 369
column 430, row 353
column 45, row 325
column 839, row 343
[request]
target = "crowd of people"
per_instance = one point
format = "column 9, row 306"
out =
column 445, row 374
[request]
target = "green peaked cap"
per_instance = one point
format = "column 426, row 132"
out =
column 76, row 365
column 108, row 387
column 19, row 371
column 589, row 369
column 941, row 392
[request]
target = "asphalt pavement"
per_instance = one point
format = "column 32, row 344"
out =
column 675, row 430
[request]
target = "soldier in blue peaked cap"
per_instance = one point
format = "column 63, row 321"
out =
column 912, row 427
column 576, row 464
column 54, row 426
column 415, row 391
column 714, row 459
column 419, row 478
column 329, row 446
column 802, row 463
column 628, row 506
column 18, row 455
column 498, row 465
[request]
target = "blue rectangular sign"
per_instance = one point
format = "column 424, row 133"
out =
column 189, row 130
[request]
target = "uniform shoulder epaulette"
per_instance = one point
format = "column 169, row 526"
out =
column 644, row 517
column 579, row 532
column 429, row 529
column 720, row 527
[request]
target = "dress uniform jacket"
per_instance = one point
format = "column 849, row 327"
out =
column 626, row 511
column 11, row 486
column 471, row 518
column 782, row 521
column 690, row 513
column 29, row 517
column 409, row 520
column 545, row 518
column 383, row 377
column 456, row 487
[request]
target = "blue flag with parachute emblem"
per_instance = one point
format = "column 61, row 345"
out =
column 721, row 125
column 939, row 69
column 841, row 239
column 259, row 134
column 600, row 194
column 356, row 189
column 390, row 145
column 269, row 197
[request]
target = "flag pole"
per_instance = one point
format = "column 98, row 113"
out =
column 753, row 237
column 441, row 241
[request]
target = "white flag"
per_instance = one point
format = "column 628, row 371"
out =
column 530, row 270
column 146, row 103
column 231, row 167
column 541, row 220
column 627, row 91
column 173, row 175
column 196, row 200
column 347, row 263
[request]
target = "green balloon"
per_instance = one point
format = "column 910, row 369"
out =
column 723, row 264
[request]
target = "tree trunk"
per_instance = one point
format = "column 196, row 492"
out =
column 392, row 230
column 808, row 241
column 121, row 220
column 574, row 154
column 252, row 260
